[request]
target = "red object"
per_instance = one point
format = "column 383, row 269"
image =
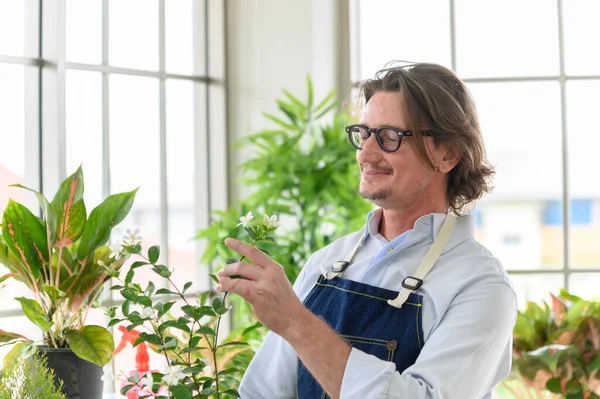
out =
column 141, row 363
column 141, row 355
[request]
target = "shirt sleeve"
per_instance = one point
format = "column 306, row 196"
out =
column 467, row 354
column 272, row 371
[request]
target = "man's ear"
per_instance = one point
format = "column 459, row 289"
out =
column 448, row 157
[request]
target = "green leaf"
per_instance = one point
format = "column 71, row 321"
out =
column 70, row 209
column 6, row 277
column 26, row 237
column 49, row 214
column 217, row 303
column 102, row 220
column 236, row 343
column 204, row 297
column 18, row 350
column 180, row 392
column 151, row 338
column 153, row 254
column 231, row 392
column 215, row 278
column 186, row 286
column 92, row 343
column 553, row 385
column 250, row 232
column 34, row 312
column 8, row 337
column 253, row 327
column 205, row 330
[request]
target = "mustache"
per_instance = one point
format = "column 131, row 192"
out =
column 376, row 168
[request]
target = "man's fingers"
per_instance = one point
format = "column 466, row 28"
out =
column 242, row 269
column 242, row 287
column 254, row 254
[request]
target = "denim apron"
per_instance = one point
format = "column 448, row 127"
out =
column 377, row 321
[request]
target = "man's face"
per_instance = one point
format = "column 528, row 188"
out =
column 395, row 180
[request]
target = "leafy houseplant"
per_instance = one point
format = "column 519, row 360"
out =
column 186, row 334
column 64, row 259
column 303, row 170
column 556, row 350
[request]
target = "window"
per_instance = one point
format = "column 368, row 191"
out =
column 136, row 107
column 538, row 85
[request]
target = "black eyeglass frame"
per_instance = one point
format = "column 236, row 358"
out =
column 376, row 131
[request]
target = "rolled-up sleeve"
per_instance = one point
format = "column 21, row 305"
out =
column 465, row 356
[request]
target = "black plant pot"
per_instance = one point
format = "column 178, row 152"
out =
column 81, row 379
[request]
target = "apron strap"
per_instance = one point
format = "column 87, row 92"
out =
column 341, row 265
column 414, row 282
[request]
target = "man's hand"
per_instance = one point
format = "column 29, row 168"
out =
column 265, row 286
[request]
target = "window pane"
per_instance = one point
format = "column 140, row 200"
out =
column 184, row 102
column 12, row 130
column 580, row 25
column 134, row 156
column 494, row 39
column 20, row 325
column 84, row 31
column 84, row 131
column 395, row 30
column 521, row 130
column 584, row 140
column 131, row 47
column 585, row 285
column 536, row 287
column 12, row 27
column 184, row 36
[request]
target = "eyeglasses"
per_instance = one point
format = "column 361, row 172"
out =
column 389, row 138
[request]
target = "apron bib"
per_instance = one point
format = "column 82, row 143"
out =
column 384, row 323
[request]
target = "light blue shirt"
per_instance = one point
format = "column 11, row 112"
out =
column 469, row 311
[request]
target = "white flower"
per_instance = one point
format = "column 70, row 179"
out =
column 115, row 251
column 147, row 382
column 271, row 221
column 245, row 219
column 132, row 237
column 174, row 376
column 147, row 313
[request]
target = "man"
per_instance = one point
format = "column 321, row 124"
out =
column 411, row 306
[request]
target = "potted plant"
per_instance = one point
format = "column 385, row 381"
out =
column 181, row 328
column 556, row 350
column 64, row 258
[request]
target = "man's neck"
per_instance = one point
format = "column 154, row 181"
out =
column 397, row 221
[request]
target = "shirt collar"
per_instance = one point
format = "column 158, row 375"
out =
column 428, row 225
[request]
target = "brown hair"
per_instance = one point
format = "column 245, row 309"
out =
column 436, row 99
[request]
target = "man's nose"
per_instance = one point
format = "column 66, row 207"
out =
column 371, row 151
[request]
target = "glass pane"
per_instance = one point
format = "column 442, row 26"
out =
column 137, row 47
column 493, row 39
column 12, row 130
column 183, row 98
column 584, row 139
column 394, row 30
column 522, row 134
column 20, row 325
column 12, row 27
column 585, row 285
column 184, row 36
column 580, row 25
column 134, row 157
column 84, row 31
column 84, row 131
column 536, row 287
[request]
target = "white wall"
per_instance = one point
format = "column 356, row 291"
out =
column 274, row 44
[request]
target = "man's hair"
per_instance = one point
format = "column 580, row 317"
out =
column 435, row 99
